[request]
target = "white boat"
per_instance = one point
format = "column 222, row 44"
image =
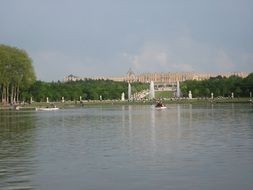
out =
column 17, row 107
column 46, row 109
column 160, row 107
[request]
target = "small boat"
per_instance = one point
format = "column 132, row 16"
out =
column 17, row 107
column 46, row 109
column 160, row 105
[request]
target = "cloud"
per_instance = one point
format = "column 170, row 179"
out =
column 186, row 54
column 163, row 57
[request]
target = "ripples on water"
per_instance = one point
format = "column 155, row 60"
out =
column 16, row 150
column 128, row 147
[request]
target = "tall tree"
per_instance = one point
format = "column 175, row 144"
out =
column 16, row 71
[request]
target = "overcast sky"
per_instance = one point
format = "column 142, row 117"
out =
column 107, row 37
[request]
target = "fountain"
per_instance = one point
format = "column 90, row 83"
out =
column 151, row 91
column 129, row 91
column 178, row 89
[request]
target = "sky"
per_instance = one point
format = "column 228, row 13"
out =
column 107, row 37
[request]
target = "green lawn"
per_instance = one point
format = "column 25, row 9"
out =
column 163, row 94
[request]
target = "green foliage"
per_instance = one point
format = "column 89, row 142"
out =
column 17, row 72
column 163, row 94
column 87, row 90
column 220, row 86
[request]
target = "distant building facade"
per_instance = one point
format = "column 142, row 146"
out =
column 169, row 78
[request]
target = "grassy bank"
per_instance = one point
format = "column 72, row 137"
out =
column 164, row 94
column 69, row 104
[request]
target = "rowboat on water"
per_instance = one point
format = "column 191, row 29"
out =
column 17, row 107
column 160, row 105
column 46, row 109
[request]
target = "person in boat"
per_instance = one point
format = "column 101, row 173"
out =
column 159, row 104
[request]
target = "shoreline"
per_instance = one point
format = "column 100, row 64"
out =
column 75, row 104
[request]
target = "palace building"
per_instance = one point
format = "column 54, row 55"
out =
column 169, row 78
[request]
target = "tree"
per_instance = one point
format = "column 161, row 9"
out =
column 220, row 86
column 195, row 92
column 247, row 86
column 238, row 91
column 17, row 73
column 87, row 89
column 207, row 92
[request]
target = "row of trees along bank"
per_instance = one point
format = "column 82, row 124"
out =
column 86, row 89
column 16, row 73
column 219, row 86
column 93, row 89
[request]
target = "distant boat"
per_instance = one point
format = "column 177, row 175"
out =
column 46, row 109
column 17, row 107
column 160, row 105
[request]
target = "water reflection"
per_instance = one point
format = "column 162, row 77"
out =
column 179, row 121
column 153, row 128
column 128, row 147
column 16, row 149
column 130, row 123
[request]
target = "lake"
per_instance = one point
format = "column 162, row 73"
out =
column 191, row 147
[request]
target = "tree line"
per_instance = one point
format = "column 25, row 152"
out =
column 16, row 73
column 86, row 89
column 219, row 86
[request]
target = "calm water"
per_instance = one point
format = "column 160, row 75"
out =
column 128, row 147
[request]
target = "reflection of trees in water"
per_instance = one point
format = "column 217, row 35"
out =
column 16, row 149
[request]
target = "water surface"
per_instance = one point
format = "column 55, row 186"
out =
column 128, row 148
